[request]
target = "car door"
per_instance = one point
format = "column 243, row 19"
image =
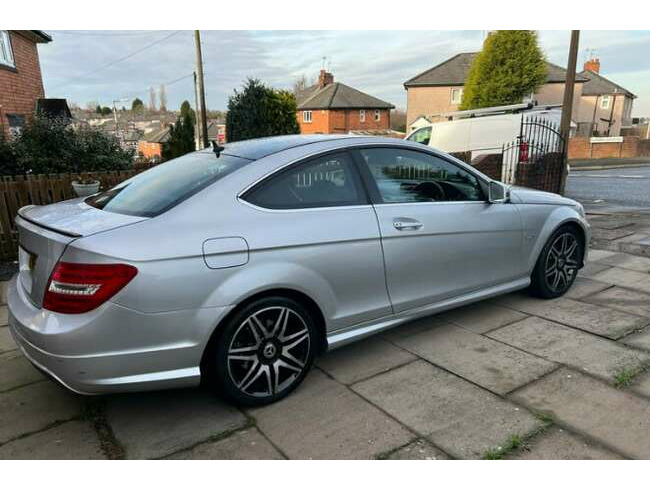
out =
column 440, row 236
column 317, row 222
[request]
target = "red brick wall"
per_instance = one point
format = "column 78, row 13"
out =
column 19, row 89
column 581, row 148
column 149, row 150
column 342, row 121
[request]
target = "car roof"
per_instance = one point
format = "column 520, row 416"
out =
column 255, row 149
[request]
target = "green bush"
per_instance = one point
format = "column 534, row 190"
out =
column 52, row 146
column 259, row 111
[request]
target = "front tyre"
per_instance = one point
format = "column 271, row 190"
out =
column 558, row 263
column 265, row 351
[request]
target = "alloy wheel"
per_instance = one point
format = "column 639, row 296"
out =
column 562, row 262
column 269, row 351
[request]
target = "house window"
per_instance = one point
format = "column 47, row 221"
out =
column 6, row 54
column 605, row 101
column 377, row 116
column 16, row 123
column 362, row 116
column 456, row 95
column 306, row 116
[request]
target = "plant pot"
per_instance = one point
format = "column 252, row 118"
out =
column 83, row 189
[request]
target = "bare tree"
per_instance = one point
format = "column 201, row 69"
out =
column 162, row 98
column 398, row 120
column 300, row 84
column 91, row 105
column 152, row 99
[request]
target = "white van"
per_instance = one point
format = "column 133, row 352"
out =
column 481, row 131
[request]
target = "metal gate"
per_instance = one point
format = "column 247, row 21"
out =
column 535, row 159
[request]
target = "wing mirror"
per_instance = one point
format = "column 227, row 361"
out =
column 498, row 193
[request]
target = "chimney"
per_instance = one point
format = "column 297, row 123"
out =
column 592, row 64
column 324, row 79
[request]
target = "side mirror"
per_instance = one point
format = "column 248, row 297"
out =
column 498, row 193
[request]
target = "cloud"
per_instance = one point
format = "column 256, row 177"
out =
column 374, row 61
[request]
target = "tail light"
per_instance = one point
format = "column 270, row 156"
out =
column 78, row 288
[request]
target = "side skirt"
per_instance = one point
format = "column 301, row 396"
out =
column 347, row 335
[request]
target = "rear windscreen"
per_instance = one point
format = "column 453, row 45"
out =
column 164, row 186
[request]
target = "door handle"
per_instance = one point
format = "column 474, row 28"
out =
column 403, row 224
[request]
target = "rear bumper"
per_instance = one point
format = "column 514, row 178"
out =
column 113, row 349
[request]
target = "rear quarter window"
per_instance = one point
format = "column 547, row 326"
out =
column 161, row 188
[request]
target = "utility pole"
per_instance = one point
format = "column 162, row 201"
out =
column 201, row 117
column 567, row 104
column 197, row 125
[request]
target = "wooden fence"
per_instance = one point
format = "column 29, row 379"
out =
column 21, row 190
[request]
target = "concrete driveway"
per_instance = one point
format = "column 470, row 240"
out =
column 513, row 377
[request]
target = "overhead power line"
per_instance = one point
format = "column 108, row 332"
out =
column 119, row 60
column 107, row 34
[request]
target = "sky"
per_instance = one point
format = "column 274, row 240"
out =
column 102, row 66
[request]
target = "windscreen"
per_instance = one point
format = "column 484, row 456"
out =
column 164, row 186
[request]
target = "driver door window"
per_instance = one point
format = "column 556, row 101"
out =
column 411, row 176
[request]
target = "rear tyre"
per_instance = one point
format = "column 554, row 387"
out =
column 558, row 263
column 265, row 351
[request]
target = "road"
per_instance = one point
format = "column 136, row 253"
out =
column 619, row 186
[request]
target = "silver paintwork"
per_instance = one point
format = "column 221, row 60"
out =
column 366, row 267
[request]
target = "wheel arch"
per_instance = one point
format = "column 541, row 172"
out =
column 299, row 296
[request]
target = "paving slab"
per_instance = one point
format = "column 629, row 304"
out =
column 70, row 440
column 592, row 268
column 482, row 317
column 565, row 345
column 556, row 443
column 35, row 407
column 4, row 315
column 156, row 424
column 244, row 444
column 595, row 254
column 613, row 234
column 641, row 384
column 626, row 261
column 418, row 450
column 6, row 340
column 583, row 286
column 413, row 327
column 3, row 292
column 363, row 359
column 616, row 418
column 455, row 415
column 622, row 299
column 640, row 340
column 589, row 317
column 610, row 223
column 626, row 278
column 636, row 237
column 16, row 370
column 486, row 362
column 323, row 419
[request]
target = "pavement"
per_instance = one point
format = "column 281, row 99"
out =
column 604, row 163
column 513, row 377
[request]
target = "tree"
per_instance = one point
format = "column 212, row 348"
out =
column 162, row 98
column 98, row 109
column 398, row 120
column 106, row 111
column 181, row 134
column 510, row 67
column 137, row 106
column 258, row 110
column 152, row 99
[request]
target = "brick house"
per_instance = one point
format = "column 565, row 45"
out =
column 333, row 107
column 150, row 146
column 439, row 90
column 605, row 107
column 21, row 84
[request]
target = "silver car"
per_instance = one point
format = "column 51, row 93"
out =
column 238, row 266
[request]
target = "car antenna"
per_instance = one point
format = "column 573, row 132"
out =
column 216, row 148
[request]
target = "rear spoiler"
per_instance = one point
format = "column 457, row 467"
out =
column 21, row 214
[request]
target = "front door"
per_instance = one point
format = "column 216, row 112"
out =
column 440, row 236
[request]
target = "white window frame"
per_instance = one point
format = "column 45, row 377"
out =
column 458, row 91
column 6, row 51
column 362, row 115
column 377, row 115
column 605, row 101
column 307, row 116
